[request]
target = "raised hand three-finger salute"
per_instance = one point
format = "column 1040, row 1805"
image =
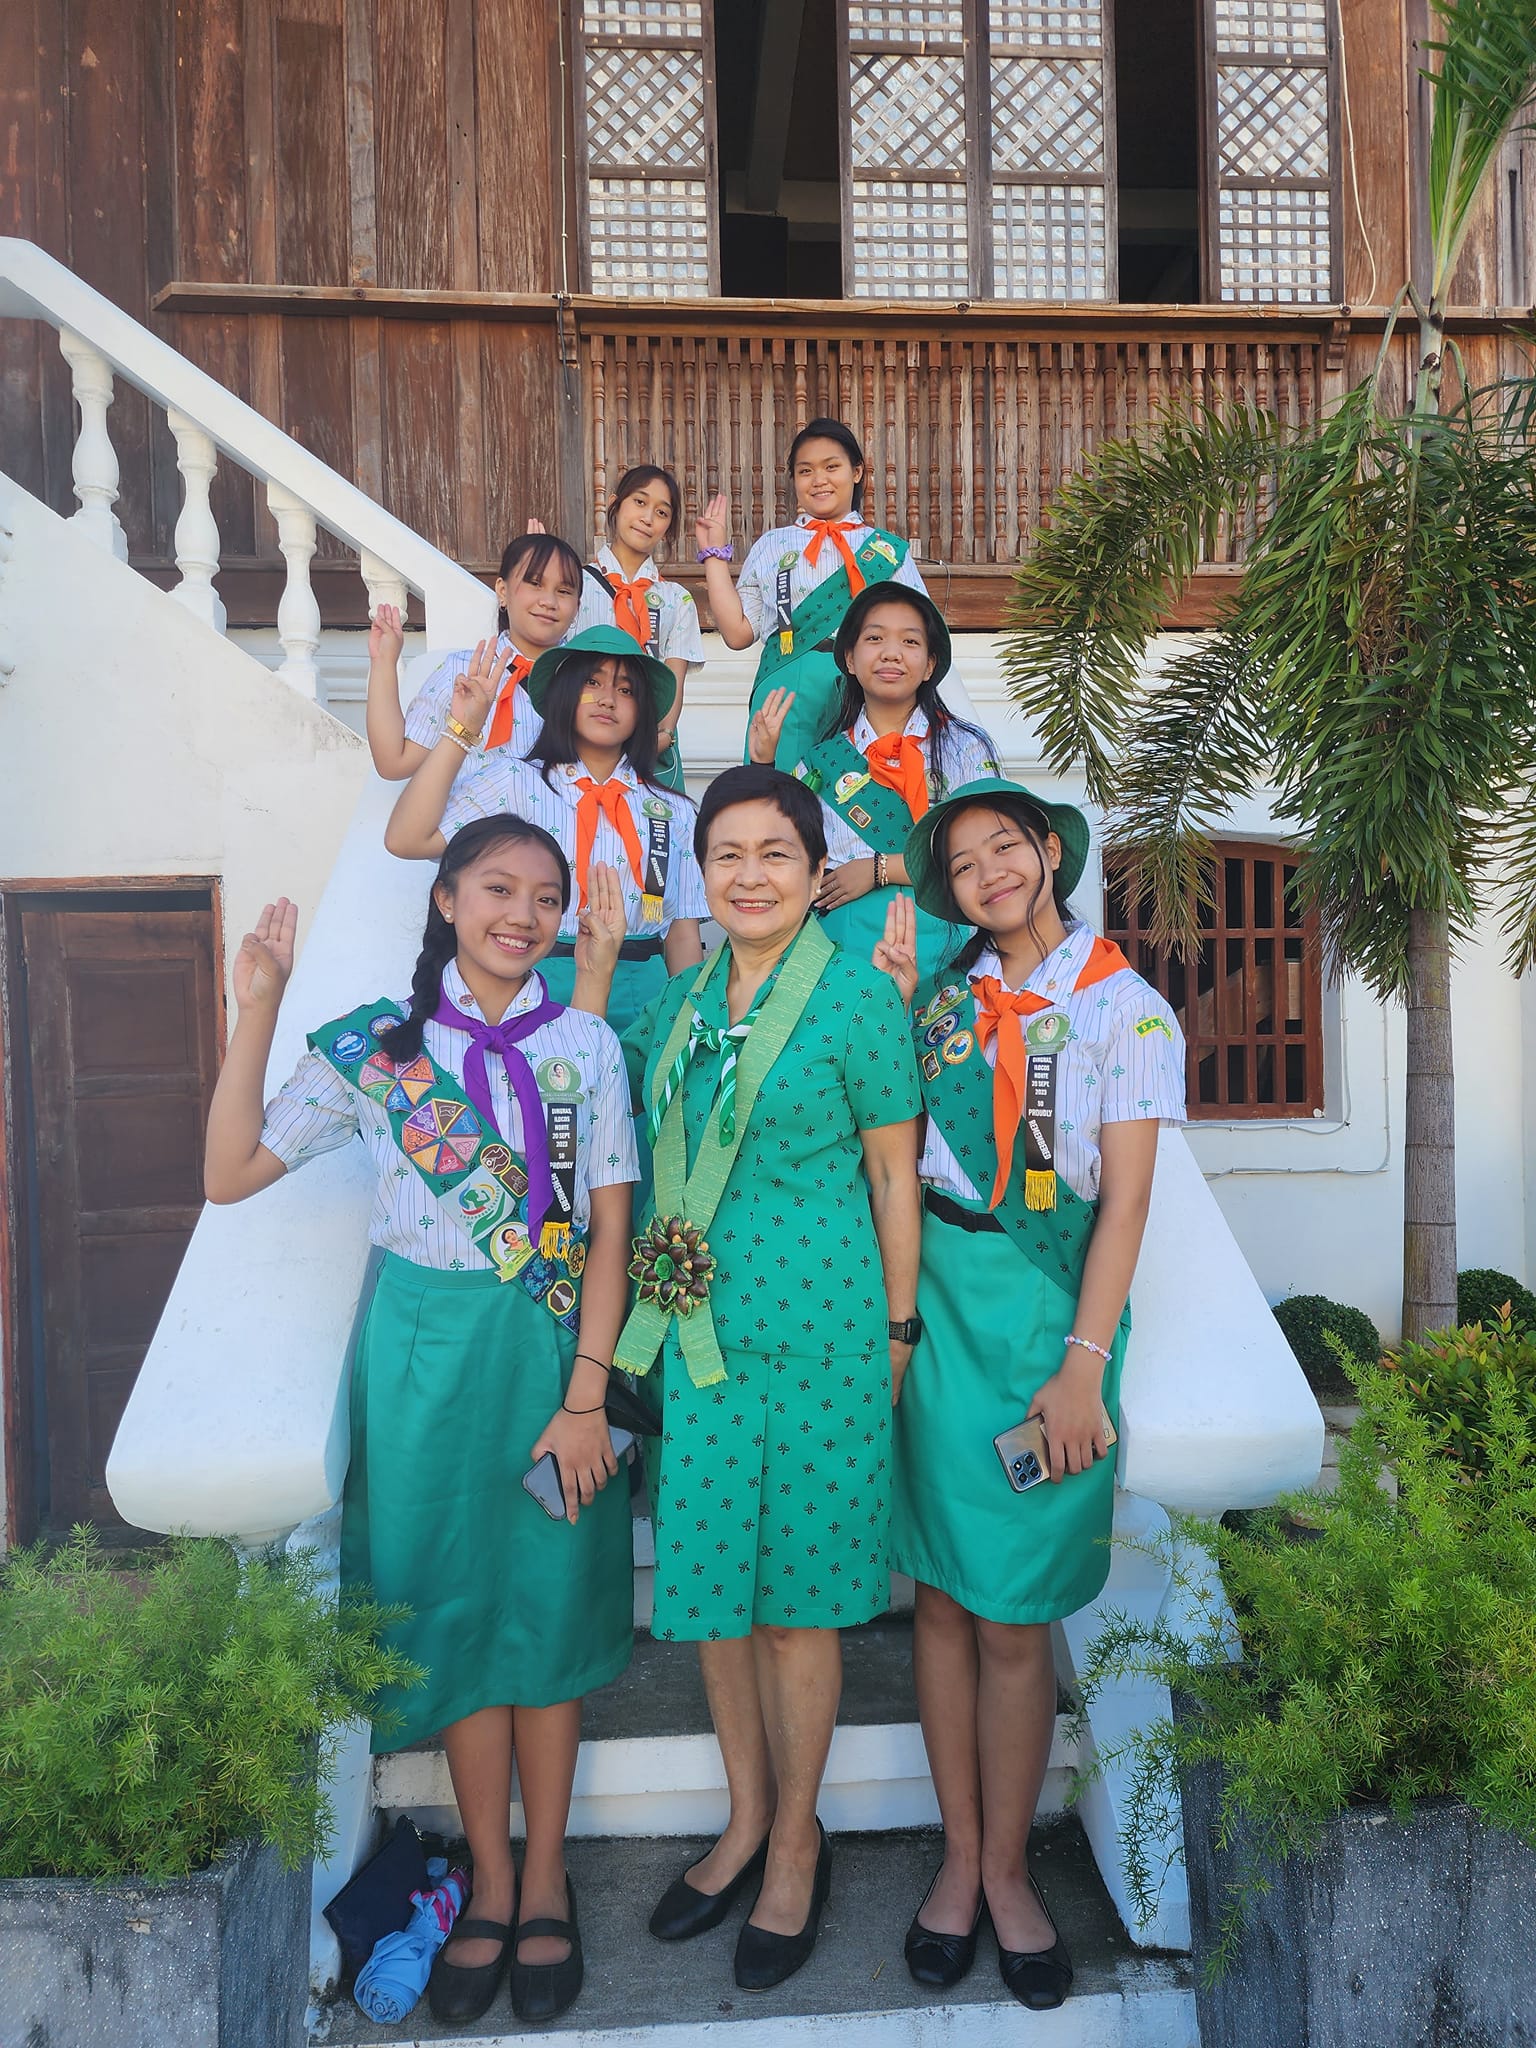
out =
column 767, row 724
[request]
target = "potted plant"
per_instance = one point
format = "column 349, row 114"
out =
column 163, row 1760
column 1354, row 1724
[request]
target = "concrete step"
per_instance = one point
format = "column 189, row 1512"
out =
column 650, row 1766
column 684, row 1996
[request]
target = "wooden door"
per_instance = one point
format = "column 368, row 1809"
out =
column 121, row 1008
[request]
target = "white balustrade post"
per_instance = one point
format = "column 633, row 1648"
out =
column 95, row 459
column 384, row 585
column 197, row 531
column 298, row 615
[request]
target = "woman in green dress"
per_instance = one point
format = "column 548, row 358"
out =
column 1032, row 1228
column 497, row 1127
column 775, row 1294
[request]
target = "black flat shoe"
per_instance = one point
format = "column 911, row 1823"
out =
column 542, row 1991
column 458, row 1994
column 940, row 1960
column 764, row 1959
column 684, row 1911
column 1039, row 1978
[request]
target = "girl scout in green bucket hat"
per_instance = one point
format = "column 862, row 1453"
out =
column 590, row 780
column 1048, row 1065
column 890, row 748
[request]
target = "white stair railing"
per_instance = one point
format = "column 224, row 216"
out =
column 101, row 343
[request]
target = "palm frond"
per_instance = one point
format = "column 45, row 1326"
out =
column 1125, row 535
column 1485, row 78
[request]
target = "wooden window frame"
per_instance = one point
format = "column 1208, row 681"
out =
column 1234, row 994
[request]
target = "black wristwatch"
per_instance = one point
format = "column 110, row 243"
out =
column 907, row 1332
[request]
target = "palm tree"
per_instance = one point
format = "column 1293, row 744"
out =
column 1377, row 665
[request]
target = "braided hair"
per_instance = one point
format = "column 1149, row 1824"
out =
column 439, row 942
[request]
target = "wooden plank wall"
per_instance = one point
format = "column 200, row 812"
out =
column 414, row 145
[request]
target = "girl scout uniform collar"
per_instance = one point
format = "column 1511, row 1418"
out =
column 602, row 640
column 929, row 885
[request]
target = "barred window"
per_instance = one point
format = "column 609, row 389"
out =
column 1250, row 1000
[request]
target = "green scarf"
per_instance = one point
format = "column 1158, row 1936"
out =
column 672, row 1262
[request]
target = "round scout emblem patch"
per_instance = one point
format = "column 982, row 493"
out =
column 379, row 1025
column 1047, row 1034
column 789, row 558
column 940, row 1029
column 958, row 1048
column 576, row 1257
column 351, row 1045
column 559, row 1079
column 656, row 807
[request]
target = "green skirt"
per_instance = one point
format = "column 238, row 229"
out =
column 455, row 1377
column 814, row 678
column 634, row 983
column 860, row 925
column 771, row 1492
column 994, row 1330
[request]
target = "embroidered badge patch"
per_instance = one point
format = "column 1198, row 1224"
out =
column 957, row 1048
column 379, row 1025
column 883, row 548
column 941, row 1028
column 948, row 998
column 350, row 1046
column 859, row 816
column 1148, row 1025
column 930, row 1066
column 848, row 785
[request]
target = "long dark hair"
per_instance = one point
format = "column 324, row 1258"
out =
column 1035, row 827
column 750, row 784
column 530, row 555
column 830, row 430
column 439, row 941
column 557, row 742
column 942, row 722
column 636, row 479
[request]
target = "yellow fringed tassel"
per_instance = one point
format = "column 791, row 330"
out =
column 1039, row 1188
column 651, row 909
column 787, row 642
column 554, row 1240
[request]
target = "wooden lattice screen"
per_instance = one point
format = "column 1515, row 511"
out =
column 1052, row 150
column 1270, row 170
column 648, row 119
column 1250, row 1001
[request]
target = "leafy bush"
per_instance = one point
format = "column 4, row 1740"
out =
column 1308, row 1321
column 1389, row 1654
column 1449, row 1376
column 1482, row 1293
column 145, row 1725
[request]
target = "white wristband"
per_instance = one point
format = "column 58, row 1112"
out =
column 1087, row 1344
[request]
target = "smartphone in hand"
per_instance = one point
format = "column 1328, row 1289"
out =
column 542, row 1480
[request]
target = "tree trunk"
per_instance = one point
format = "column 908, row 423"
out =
column 1429, row 1139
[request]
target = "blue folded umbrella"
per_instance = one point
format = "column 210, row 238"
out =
column 396, row 1974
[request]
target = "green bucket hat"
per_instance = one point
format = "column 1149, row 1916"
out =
column 930, row 887
column 602, row 640
column 894, row 593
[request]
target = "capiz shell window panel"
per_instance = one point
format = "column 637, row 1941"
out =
column 1052, row 151
column 647, row 111
column 1272, row 148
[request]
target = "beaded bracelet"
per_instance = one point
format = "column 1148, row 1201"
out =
column 880, row 881
column 1087, row 1344
column 463, row 745
column 725, row 554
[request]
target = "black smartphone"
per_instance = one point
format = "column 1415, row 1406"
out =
column 543, row 1479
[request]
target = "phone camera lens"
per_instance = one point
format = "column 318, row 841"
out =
column 1031, row 1466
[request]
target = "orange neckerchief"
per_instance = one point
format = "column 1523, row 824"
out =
column 833, row 530
column 631, row 614
column 499, row 730
column 998, row 1011
column 613, row 798
column 896, row 762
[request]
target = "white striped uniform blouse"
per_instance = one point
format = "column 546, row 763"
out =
column 430, row 705
column 968, row 756
column 1123, row 1062
column 757, row 585
column 501, row 785
column 678, row 633
column 316, row 1111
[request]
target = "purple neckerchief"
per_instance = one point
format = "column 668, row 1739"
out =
column 502, row 1038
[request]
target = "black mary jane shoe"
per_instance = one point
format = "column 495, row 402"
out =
column 763, row 1958
column 542, row 1991
column 1039, row 1978
column 457, row 1994
column 940, row 1960
column 684, row 1911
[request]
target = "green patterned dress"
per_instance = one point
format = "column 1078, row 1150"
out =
column 772, row 1489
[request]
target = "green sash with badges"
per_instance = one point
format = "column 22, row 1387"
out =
column 479, row 1183
column 820, row 612
column 957, row 1091
column 673, row 1264
column 839, row 774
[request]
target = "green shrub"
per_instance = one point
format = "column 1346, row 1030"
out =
column 1482, row 1293
column 1449, row 1376
column 1387, row 1654
column 1308, row 1321
column 146, row 1723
